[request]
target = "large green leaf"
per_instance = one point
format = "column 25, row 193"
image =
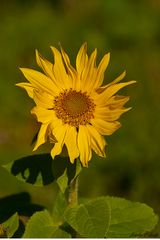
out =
column 11, row 225
column 111, row 217
column 41, row 225
column 129, row 219
column 41, row 169
column 90, row 220
column 59, row 233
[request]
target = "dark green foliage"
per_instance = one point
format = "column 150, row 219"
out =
column 16, row 204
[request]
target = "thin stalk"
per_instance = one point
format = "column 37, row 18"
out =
column 73, row 192
column 73, row 199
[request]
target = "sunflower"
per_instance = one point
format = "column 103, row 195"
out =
column 71, row 104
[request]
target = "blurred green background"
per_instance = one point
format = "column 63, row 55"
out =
column 130, row 30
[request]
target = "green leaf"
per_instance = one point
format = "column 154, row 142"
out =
column 78, row 168
column 111, row 217
column 41, row 169
column 41, row 225
column 59, row 233
column 64, row 171
column 11, row 225
column 129, row 219
column 62, row 181
column 90, row 220
column 59, row 208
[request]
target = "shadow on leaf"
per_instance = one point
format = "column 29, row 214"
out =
column 31, row 167
column 42, row 169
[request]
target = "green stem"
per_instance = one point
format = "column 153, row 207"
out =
column 73, row 192
column 73, row 199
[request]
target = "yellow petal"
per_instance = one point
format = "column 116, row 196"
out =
column 81, row 64
column 42, row 136
column 28, row 87
column 71, row 143
column 104, row 127
column 84, row 145
column 98, row 142
column 117, row 101
column 44, row 64
column 109, row 115
column 55, row 123
column 43, row 115
column 39, row 80
column 118, row 79
column 101, row 69
column 82, row 59
column 101, row 99
column 69, row 68
column 59, row 134
column 43, row 99
column 48, row 70
column 89, row 73
column 59, row 70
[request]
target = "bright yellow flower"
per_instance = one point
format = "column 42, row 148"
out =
column 71, row 104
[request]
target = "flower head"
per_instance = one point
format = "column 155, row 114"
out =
column 71, row 104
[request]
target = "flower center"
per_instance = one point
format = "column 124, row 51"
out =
column 74, row 108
